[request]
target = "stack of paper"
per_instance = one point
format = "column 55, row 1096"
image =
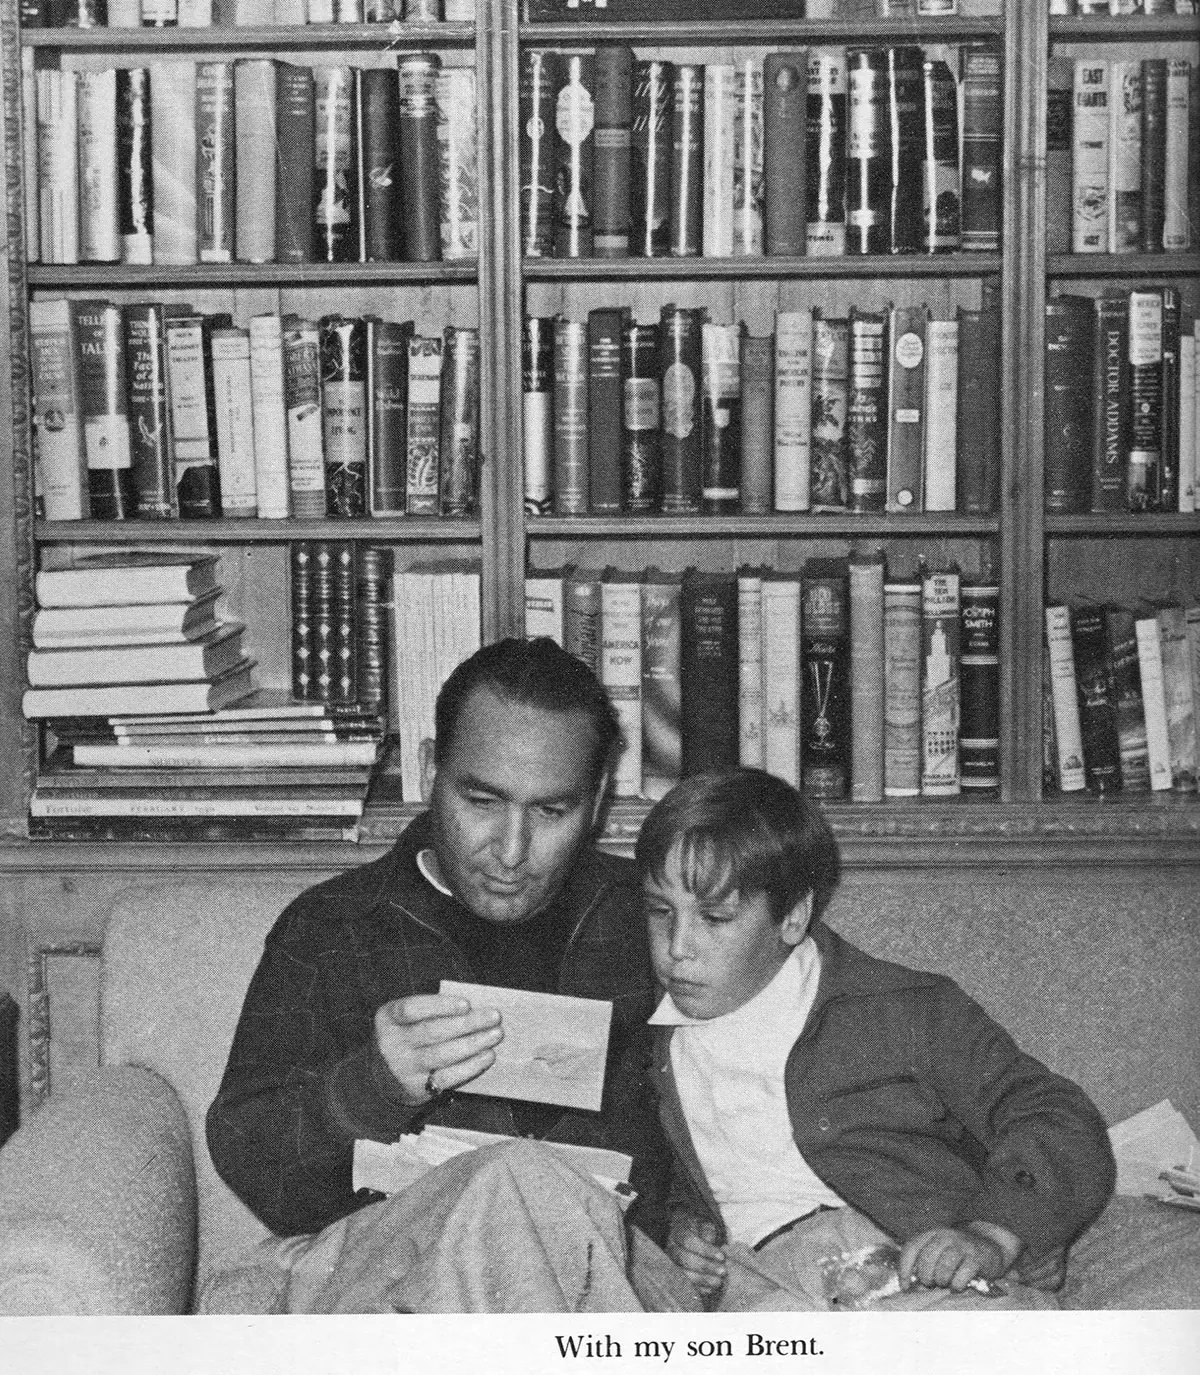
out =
column 1154, row 1143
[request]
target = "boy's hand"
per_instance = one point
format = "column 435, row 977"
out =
column 951, row 1257
column 692, row 1245
column 1048, row 1272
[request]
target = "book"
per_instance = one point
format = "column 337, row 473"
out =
column 1154, row 153
column 721, row 399
column 1178, row 697
column 756, row 365
column 978, row 434
column 1124, row 156
column 324, row 632
column 1090, row 156
column 572, row 455
column 662, row 739
column 233, row 406
column 941, row 200
column 335, row 160
column 749, row 188
column 537, row 413
column 178, row 803
column 1144, row 455
column 458, row 163
column 940, row 700
column 709, row 670
column 1154, row 702
column 126, row 579
column 149, row 412
column 1188, row 429
column 61, row 452
column 680, row 345
column 1109, row 402
column 751, row 726
column 110, row 699
column 785, row 139
column 173, row 161
column 825, row 720
column 337, row 753
column 1068, row 738
column 687, row 160
column 344, row 414
column 379, row 173
column 604, row 403
column 825, row 153
column 866, row 410
column 60, row 776
column 387, row 431
column 1060, row 95
column 136, row 624
column 295, row 136
column 539, row 83
column 302, row 398
column 96, row 167
column 641, row 416
column 1067, row 462
column 254, row 94
column 57, row 166
column 939, row 455
column 719, row 106
column 193, row 830
column 574, row 151
column 423, row 435
column 611, row 149
column 650, row 154
column 372, row 624
column 901, row 689
column 979, row 689
column 458, row 440
column 781, row 675
column 544, row 604
column 793, row 410
column 906, row 330
column 868, row 152
column 621, row 671
column 302, row 619
column 829, row 473
column 99, row 333
column 982, row 148
column 344, row 558
column 1168, row 468
column 215, row 162
column 1122, row 657
column 192, row 398
column 205, row 658
column 866, row 582
column 269, row 417
column 581, row 615
column 904, row 102
column 1178, row 234
column 1097, row 699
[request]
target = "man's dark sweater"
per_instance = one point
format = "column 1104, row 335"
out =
column 305, row 1079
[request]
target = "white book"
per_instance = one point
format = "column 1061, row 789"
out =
column 189, row 661
column 187, row 389
column 751, row 741
column 748, row 188
column 61, row 453
column 781, row 677
column 459, row 162
column 125, row 804
column 544, row 605
column 1089, row 157
column 320, row 11
column 1177, row 696
column 254, row 14
column 901, row 689
column 941, row 414
column 1067, row 736
column 123, row 698
column 124, row 14
column 1187, row 423
column 270, row 417
column 1191, row 617
column 58, row 186
column 291, row 13
column 1124, row 156
column 940, row 708
column 866, row 679
column 29, row 157
column 621, row 673
column 173, row 159
column 254, row 154
column 305, row 425
column 127, row 579
column 167, row 623
column 720, row 106
column 195, row 14
column 825, row 233
column 409, row 651
column 793, row 409
column 1176, row 227
column 1154, row 702
column 99, row 224
column 235, row 421
column 332, row 752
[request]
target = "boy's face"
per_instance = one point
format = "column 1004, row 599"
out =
column 714, row 954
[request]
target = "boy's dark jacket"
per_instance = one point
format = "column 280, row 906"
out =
column 909, row 1102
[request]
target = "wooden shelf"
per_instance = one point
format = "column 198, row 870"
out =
column 1124, row 28
column 660, row 269
column 114, row 276
column 227, row 39
column 1140, row 265
column 383, row 529
column 823, row 526
column 1124, row 523
column 731, row 33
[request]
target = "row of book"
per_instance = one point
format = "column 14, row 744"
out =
column 826, row 151
column 1126, row 153
column 1124, row 9
column 1122, row 692
column 1122, row 405
column 877, row 411
column 845, row 682
column 254, row 161
column 202, row 14
column 156, row 411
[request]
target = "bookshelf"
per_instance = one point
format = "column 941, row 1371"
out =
column 1031, row 553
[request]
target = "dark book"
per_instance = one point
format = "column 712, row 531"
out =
column 1125, row 672
column 662, row 731
column 650, row 145
column 302, row 400
column 572, row 459
column 537, row 412
column 10, row 1079
column 866, row 411
column 540, row 79
column 979, row 689
column 709, row 671
column 373, row 608
column 335, row 188
column 324, row 622
column 1193, row 160
column 982, row 148
column 830, row 475
column 610, row 157
column 1154, row 153
column 1059, row 143
column 420, row 163
column 574, row 154
column 215, row 162
column 458, row 448
column 35, row 14
column 135, row 182
column 379, row 173
column 906, row 408
column 344, row 414
column 758, row 423
column 1097, row 697
column 1067, row 453
column 422, row 487
column 146, row 401
column 1168, row 471
column 1145, row 440
column 605, row 395
column 679, row 358
column 825, row 679
column 658, row 11
column 641, row 412
column 906, row 146
column 344, row 686
column 303, row 624
column 941, row 198
column 194, row 829
column 191, row 391
column 977, row 428
column 721, row 399
column 1110, row 402
column 825, row 153
column 687, row 160
column 582, row 615
column 868, row 152
column 295, row 132
column 99, row 334
column 785, row 137
column 387, row 358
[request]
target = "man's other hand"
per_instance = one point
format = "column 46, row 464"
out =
column 432, row 1043
column 951, row 1257
column 692, row 1245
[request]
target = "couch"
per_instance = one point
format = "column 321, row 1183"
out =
column 109, row 1202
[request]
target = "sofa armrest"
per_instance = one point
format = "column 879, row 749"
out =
column 98, row 1201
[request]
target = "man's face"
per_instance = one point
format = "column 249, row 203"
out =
column 513, row 802
column 714, row 954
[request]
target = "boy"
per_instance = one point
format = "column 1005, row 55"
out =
column 824, row 1104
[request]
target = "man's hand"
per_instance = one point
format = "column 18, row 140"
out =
column 951, row 1257
column 434, row 1035
column 692, row 1245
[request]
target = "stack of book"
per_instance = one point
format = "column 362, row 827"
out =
column 203, row 14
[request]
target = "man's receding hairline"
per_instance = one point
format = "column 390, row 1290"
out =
column 498, row 694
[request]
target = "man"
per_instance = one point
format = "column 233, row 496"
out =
column 344, row 1035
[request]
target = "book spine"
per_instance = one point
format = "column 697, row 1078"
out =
column 1125, row 157
column 572, row 457
column 537, row 409
column 254, row 124
column 1154, row 702
column 135, row 186
column 581, row 620
column 757, row 368
column 1064, row 695
column 1068, row 451
column 751, row 735
column 1110, row 403
column 868, row 153
column 30, row 154
column 905, row 97
column 459, row 456
column 1168, row 471
column 540, row 79
column 1144, row 460
column 1177, row 235
column 1193, row 157
column 61, row 450
column 1060, row 96
column 1089, row 164
column 235, row 421
column 295, row 136
column 302, row 396
column 372, row 613
column 422, row 491
column 193, row 418
column 173, row 161
column 941, row 414
column 1191, row 618
column 1177, row 694
column 825, row 690
column 906, row 407
column 1122, row 655
column 99, row 333
column 574, row 153
column 830, row 475
column 379, row 174
column 680, row 335
column 621, row 675
column 614, row 118
column 1187, row 423
column 215, row 165
column 794, row 413
column 781, row 676
column 324, row 640
column 269, row 417
column 748, row 185
column 641, row 413
column 709, row 671
column 721, row 393
column 825, row 153
column 1154, row 153
column 650, row 158
column 719, row 102
column 785, row 137
column 388, row 470
column 335, row 190
column 99, row 225
column 866, row 411
column 605, row 422
column 57, row 180
column 459, row 162
column 1097, row 700
column 146, row 398
column 544, row 605
column 941, row 196
column 979, row 730
column 687, row 160
column 940, row 702
column 866, row 678
column 344, row 687
column 982, row 149
column 978, row 430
